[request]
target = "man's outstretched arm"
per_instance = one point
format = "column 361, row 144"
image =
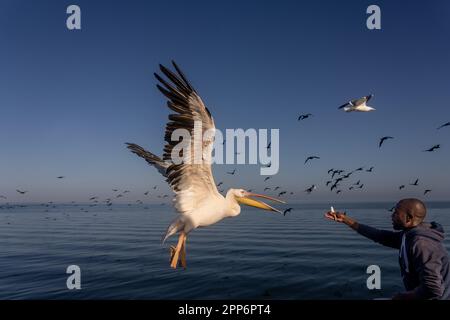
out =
column 384, row 237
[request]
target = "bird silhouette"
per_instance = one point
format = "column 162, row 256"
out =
column 304, row 116
column 310, row 189
column 287, row 211
column 415, row 183
column 383, row 140
column 21, row 192
column 435, row 147
column 426, row 191
column 444, row 125
column 311, row 158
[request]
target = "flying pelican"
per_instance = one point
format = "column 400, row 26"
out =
column 358, row 105
column 197, row 199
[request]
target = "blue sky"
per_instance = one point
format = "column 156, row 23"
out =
column 69, row 100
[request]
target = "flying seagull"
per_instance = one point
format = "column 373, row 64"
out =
column 287, row 211
column 311, row 158
column 415, row 183
column 358, row 105
column 310, row 189
column 21, row 192
column 383, row 140
column 304, row 116
column 426, row 191
column 437, row 146
column 401, row 187
column 197, row 199
column 232, row 172
column 444, row 125
column 60, row 177
column 370, row 169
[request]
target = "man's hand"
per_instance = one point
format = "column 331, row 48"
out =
column 336, row 216
column 343, row 218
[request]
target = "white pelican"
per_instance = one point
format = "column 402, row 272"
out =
column 197, row 199
column 358, row 105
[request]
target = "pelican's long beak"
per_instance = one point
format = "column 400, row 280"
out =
column 259, row 204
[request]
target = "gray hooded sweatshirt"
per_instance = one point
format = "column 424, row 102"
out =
column 424, row 261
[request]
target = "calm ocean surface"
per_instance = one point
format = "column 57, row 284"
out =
column 257, row 255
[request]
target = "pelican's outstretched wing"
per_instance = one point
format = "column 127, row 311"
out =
column 192, row 182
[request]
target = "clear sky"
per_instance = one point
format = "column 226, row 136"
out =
column 69, row 100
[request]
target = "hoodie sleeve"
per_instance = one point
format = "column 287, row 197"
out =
column 384, row 237
column 427, row 259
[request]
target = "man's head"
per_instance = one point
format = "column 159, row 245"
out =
column 408, row 213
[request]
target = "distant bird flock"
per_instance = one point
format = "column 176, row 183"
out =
column 339, row 179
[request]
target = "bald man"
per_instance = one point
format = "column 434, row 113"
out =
column 424, row 261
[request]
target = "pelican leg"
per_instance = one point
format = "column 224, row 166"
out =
column 172, row 252
column 176, row 254
column 183, row 253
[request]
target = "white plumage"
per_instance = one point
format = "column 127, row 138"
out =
column 197, row 199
